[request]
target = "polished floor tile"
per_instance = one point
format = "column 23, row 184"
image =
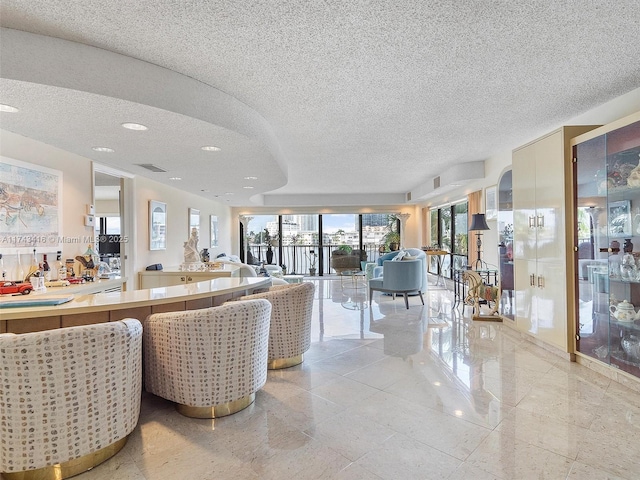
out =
column 390, row 393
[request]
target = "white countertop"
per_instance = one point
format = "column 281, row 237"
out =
column 87, row 303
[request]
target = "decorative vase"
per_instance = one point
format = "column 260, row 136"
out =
column 628, row 246
column 269, row 255
column 615, row 246
column 631, row 345
column 204, row 255
column 312, row 271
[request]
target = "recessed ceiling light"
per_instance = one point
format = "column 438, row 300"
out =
column 210, row 148
column 248, row 187
column 134, row 126
column 8, row 108
column 228, row 193
column 204, row 190
column 175, row 178
column 103, row 149
column 250, row 178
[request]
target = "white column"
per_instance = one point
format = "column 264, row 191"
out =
column 244, row 220
column 403, row 217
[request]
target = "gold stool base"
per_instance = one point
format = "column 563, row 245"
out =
column 279, row 363
column 217, row 410
column 70, row 468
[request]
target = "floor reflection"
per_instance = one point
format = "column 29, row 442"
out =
column 387, row 393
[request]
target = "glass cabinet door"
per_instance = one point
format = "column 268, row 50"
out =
column 593, row 244
column 607, row 233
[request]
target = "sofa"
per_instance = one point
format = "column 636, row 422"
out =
column 409, row 253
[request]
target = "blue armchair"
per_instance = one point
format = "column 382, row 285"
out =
column 399, row 277
column 414, row 252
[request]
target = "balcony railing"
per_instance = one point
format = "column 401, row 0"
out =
column 297, row 258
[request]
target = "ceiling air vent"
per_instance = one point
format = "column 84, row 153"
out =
column 151, row 167
column 436, row 182
column 408, row 196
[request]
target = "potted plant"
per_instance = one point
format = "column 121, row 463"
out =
column 392, row 240
column 313, row 258
column 268, row 241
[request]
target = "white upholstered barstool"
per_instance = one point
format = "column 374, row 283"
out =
column 211, row 361
column 290, row 333
column 68, row 398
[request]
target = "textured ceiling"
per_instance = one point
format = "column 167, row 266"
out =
column 331, row 97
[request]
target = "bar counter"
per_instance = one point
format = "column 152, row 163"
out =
column 86, row 309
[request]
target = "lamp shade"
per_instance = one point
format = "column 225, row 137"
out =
column 478, row 222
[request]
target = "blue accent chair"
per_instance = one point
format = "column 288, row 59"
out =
column 414, row 252
column 399, row 277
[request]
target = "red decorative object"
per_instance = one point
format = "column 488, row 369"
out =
column 12, row 288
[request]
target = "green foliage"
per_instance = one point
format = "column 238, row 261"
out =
column 391, row 237
column 345, row 248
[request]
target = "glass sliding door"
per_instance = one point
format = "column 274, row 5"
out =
column 341, row 232
column 434, row 239
column 460, row 236
column 263, row 238
column 300, row 244
column 304, row 243
column 449, row 231
column 446, row 240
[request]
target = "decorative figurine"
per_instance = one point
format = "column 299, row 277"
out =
column 191, row 254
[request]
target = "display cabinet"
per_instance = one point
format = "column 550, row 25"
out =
column 607, row 244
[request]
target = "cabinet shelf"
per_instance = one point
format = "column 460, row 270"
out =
column 620, row 280
column 623, row 193
column 625, row 359
column 635, row 326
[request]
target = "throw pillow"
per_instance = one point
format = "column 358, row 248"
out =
column 409, row 257
column 399, row 256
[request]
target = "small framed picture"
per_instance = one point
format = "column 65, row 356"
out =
column 491, row 203
column 194, row 221
column 213, row 230
column 157, row 225
column 620, row 218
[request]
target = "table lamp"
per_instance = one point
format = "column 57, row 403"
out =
column 478, row 223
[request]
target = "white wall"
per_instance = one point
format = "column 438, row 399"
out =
column 178, row 204
column 77, row 175
column 107, row 208
column 76, row 193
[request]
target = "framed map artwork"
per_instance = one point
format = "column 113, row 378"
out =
column 30, row 207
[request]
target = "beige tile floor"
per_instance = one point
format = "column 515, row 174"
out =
column 386, row 393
